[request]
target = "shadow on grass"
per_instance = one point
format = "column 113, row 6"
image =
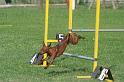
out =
column 66, row 70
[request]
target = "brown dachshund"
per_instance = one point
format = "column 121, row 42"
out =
column 55, row 51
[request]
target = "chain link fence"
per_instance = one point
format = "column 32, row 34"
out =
column 91, row 3
column 36, row 1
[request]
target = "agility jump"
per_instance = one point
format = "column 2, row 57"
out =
column 70, row 30
column 47, row 49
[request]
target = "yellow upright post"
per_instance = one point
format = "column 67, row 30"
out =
column 96, row 49
column 70, row 16
column 96, row 44
column 46, row 28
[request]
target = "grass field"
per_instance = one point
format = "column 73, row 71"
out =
column 21, row 40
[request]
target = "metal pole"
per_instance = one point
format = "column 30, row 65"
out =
column 79, row 56
column 100, row 30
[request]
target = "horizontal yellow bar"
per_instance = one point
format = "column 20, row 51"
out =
column 107, row 80
column 52, row 40
column 41, row 66
column 84, row 77
column 50, row 65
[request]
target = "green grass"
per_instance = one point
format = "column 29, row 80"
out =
column 25, row 37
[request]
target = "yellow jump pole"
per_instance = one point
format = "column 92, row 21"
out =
column 96, row 47
column 46, row 28
column 70, row 16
